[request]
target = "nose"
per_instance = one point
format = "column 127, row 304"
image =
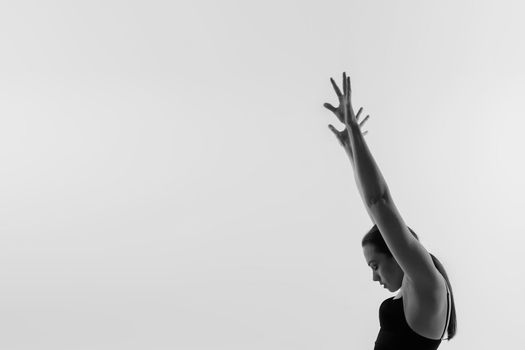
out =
column 375, row 276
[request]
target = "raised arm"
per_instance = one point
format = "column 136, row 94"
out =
column 411, row 256
column 343, row 136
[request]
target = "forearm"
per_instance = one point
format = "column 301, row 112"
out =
column 370, row 182
column 348, row 150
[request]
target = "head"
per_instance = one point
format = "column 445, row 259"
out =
column 385, row 268
column 387, row 271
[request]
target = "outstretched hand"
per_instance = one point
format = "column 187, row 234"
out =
column 345, row 113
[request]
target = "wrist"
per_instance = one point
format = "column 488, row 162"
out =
column 349, row 153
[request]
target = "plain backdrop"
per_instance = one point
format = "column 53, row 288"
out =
column 168, row 179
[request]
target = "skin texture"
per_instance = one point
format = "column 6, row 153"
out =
column 423, row 289
column 385, row 269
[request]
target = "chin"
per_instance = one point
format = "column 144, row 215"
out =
column 392, row 290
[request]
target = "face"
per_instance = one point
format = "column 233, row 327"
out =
column 385, row 269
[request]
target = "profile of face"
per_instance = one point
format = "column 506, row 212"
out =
column 385, row 269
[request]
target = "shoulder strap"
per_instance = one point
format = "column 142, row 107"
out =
column 448, row 305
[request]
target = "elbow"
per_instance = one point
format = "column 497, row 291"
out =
column 382, row 197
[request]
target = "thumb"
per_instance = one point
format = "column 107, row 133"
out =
column 337, row 134
column 334, row 111
column 330, row 107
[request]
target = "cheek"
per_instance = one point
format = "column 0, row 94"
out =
column 386, row 272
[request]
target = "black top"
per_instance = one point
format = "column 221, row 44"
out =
column 395, row 333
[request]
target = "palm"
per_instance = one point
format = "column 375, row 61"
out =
column 340, row 110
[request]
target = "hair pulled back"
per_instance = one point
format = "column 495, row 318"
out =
column 375, row 238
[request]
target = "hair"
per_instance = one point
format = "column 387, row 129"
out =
column 374, row 238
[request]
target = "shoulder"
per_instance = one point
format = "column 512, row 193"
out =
column 426, row 310
column 434, row 294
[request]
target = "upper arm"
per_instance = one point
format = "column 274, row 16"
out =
column 412, row 257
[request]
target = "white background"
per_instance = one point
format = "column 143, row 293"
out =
column 168, row 179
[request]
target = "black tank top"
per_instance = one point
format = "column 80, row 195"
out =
column 395, row 333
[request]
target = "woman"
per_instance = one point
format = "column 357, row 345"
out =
column 423, row 309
